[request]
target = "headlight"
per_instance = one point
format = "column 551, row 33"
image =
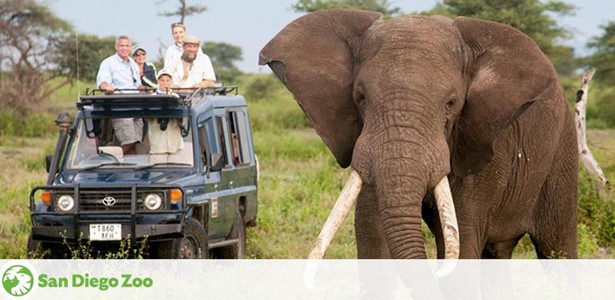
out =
column 65, row 203
column 152, row 202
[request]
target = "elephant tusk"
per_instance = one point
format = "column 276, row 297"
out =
column 338, row 214
column 448, row 219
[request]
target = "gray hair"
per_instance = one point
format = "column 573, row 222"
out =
column 122, row 37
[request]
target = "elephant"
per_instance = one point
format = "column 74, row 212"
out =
column 416, row 101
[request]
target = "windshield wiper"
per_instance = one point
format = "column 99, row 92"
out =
column 107, row 164
column 162, row 164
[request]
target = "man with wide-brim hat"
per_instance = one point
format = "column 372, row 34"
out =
column 194, row 69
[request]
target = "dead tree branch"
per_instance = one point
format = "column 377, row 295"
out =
column 585, row 155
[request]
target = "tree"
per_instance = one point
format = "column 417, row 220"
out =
column 183, row 10
column 30, row 34
column 223, row 57
column 603, row 57
column 382, row 6
column 533, row 17
column 82, row 54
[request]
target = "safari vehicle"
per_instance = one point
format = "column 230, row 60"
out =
column 191, row 204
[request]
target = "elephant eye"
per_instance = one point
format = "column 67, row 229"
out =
column 449, row 104
column 359, row 97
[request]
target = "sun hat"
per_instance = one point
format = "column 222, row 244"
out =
column 191, row 39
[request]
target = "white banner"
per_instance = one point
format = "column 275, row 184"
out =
column 307, row 279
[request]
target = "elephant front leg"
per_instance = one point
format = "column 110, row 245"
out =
column 368, row 227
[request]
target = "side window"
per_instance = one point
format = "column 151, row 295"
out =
column 204, row 144
column 238, row 137
column 220, row 120
column 208, row 141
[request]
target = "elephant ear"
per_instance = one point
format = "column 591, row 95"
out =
column 507, row 74
column 313, row 57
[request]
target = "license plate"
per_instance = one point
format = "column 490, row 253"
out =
column 105, row 232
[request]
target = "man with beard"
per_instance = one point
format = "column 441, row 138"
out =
column 193, row 69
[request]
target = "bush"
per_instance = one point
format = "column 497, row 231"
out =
column 262, row 87
column 596, row 214
column 277, row 113
column 36, row 125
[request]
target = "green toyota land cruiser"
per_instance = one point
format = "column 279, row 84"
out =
column 193, row 203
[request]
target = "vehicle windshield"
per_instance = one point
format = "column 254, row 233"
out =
column 166, row 143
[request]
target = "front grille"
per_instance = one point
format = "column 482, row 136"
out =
column 89, row 200
column 93, row 200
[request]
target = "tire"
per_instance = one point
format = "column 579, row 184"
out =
column 238, row 231
column 193, row 245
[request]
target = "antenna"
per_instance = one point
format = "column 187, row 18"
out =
column 77, row 56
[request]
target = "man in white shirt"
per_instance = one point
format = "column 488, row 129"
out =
column 120, row 71
column 193, row 69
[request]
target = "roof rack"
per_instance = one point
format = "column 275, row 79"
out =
column 219, row 89
column 132, row 100
column 182, row 92
column 127, row 98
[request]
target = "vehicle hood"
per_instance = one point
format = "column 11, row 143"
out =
column 123, row 177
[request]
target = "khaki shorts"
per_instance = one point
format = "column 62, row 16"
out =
column 128, row 131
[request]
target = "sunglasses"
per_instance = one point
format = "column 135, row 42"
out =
column 139, row 54
column 178, row 24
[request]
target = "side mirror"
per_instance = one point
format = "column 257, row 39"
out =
column 216, row 161
column 47, row 162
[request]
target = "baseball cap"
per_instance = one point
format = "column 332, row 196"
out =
column 164, row 72
column 136, row 48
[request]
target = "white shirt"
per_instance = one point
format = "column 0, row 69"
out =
column 201, row 70
column 174, row 52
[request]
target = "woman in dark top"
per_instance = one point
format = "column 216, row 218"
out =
column 147, row 70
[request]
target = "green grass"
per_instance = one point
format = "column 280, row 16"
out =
column 299, row 181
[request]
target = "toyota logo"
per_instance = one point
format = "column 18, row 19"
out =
column 108, row 201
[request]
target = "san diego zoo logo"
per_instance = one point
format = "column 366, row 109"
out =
column 18, row 279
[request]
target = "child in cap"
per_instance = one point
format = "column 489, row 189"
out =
column 164, row 133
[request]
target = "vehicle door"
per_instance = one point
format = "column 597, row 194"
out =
column 213, row 159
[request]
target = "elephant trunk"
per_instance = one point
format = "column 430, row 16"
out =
column 411, row 169
column 400, row 212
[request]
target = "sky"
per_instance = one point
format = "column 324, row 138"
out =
column 250, row 24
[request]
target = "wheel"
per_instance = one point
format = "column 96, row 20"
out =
column 238, row 231
column 193, row 245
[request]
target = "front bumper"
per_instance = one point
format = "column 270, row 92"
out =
column 136, row 222
column 74, row 234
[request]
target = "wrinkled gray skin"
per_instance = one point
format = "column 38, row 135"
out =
column 409, row 100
